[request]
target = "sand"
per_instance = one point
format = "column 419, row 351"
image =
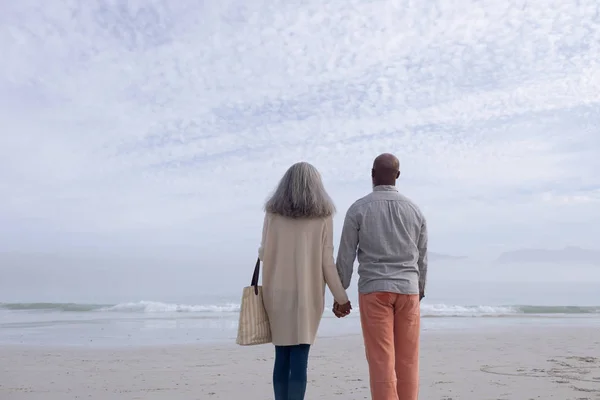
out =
column 501, row 364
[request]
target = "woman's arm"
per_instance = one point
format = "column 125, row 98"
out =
column 261, row 249
column 330, row 273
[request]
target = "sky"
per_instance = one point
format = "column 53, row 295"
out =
column 159, row 127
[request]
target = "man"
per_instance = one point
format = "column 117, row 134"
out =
column 389, row 234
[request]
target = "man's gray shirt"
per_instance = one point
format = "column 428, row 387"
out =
column 389, row 234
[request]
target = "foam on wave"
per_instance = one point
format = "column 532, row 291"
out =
column 427, row 310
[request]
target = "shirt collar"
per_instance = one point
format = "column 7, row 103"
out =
column 385, row 188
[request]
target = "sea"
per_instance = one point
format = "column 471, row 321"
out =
column 212, row 319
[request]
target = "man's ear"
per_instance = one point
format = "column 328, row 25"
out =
column 398, row 175
column 372, row 173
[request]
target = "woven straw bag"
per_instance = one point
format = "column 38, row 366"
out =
column 253, row 327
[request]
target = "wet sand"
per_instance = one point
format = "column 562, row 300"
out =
column 500, row 364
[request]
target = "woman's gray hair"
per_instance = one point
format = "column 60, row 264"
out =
column 301, row 194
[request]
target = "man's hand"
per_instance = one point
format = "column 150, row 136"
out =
column 421, row 295
column 341, row 310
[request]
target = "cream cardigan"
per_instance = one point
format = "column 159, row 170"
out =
column 297, row 256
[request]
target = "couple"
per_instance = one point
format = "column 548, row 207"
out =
column 388, row 233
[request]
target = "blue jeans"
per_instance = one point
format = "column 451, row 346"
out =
column 289, row 372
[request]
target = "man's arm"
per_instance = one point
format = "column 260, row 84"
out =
column 329, row 268
column 347, row 250
column 422, row 246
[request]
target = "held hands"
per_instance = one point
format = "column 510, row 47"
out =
column 341, row 310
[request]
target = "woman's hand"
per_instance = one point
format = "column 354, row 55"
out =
column 341, row 310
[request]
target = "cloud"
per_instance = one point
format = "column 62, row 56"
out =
column 169, row 121
column 584, row 197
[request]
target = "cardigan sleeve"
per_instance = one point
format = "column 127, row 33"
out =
column 261, row 249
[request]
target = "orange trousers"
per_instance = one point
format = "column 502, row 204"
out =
column 391, row 327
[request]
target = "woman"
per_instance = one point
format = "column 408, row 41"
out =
column 297, row 256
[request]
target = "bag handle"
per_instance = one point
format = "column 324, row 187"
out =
column 255, row 276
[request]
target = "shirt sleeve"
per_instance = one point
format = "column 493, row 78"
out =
column 347, row 250
column 261, row 249
column 422, row 246
column 332, row 279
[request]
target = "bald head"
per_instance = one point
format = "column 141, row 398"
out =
column 386, row 169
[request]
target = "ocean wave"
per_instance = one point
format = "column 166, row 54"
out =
column 427, row 310
column 158, row 307
column 58, row 307
column 139, row 307
column 444, row 310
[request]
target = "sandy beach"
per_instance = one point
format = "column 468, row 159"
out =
column 501, row 364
